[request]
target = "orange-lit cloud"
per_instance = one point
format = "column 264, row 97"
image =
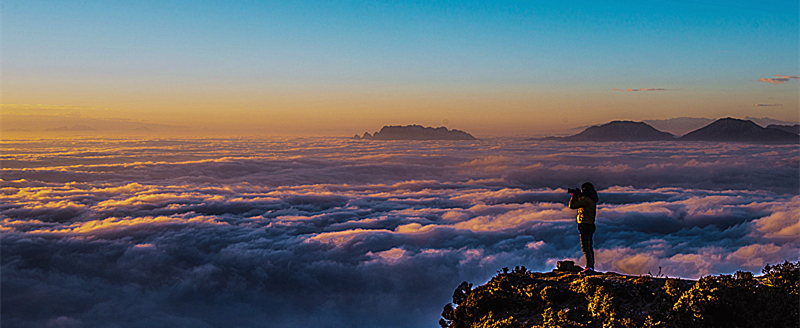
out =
column 116, row 224
column 784, row 222
column 342, row 238
column 392, row 256
column 517, row 218
column 779, row 79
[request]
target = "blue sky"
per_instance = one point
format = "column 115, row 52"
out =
column 363, row 63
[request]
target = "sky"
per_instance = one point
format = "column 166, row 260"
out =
column 168, row 163
column 346, row 67
column 330, row 232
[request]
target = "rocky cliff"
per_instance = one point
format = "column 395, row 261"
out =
column 520, row 298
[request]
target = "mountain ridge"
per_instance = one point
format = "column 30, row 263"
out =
column 722, row 130
column 682, row 125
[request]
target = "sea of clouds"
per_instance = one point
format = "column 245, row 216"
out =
column 316, row 232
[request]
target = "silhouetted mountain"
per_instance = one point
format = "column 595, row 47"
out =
column 736, row 130
column 416, row 132
column 788, row 128
column 521, row 298
column 619, row 131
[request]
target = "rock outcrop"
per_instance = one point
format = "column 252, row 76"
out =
column 416, row 132
column 521, row 298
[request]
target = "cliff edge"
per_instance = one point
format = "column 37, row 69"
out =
column 521, row 298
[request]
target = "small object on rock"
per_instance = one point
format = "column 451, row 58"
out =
column 567, row 266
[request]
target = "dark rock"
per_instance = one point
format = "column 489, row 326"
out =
column 567, row 266
column 553, row 294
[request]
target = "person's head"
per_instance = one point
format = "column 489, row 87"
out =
column 588, row 191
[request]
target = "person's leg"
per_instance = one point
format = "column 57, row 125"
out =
column 587, row 231
column 590, row 247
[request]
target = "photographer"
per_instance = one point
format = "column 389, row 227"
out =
column 585, row 201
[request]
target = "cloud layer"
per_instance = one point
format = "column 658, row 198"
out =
column 641, row 89
column 340, row 233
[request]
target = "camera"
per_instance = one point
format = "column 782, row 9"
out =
column 575, row 191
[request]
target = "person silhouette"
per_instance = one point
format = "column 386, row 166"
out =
column 585, row 201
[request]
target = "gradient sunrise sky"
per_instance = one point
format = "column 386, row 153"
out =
column 345, row 67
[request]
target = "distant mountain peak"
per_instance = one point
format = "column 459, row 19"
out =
column 738, row 130
column 619, row 131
